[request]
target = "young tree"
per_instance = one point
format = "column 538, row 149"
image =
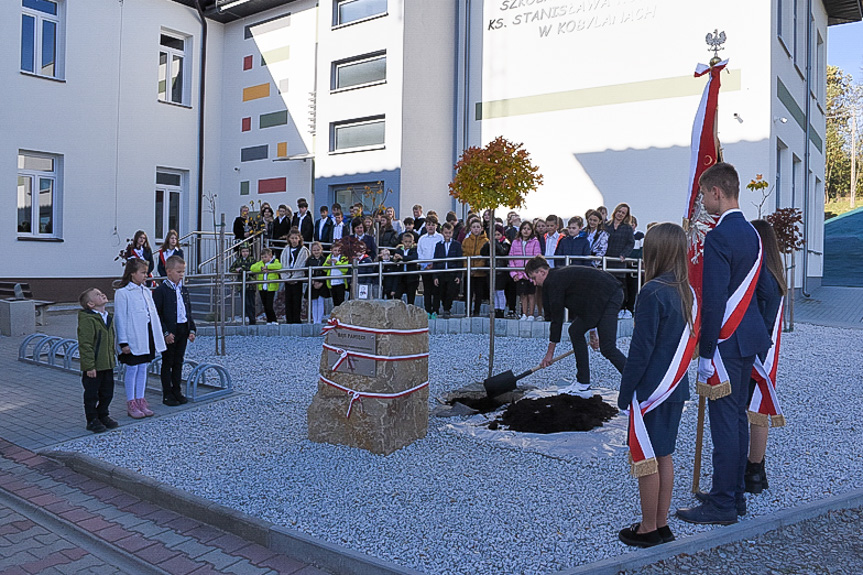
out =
column 499, row 174
column 844, row 127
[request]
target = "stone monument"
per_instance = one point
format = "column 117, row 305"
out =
column 373, row 384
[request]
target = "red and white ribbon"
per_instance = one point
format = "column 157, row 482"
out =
column 765, row 402
column 718, row 384
column 640, row 447
column 357, row 396
column 334, row 323
column 346, row 354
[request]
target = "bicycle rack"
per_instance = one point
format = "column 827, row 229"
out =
column 58, row 353
column 64, row 349
column 198, row 375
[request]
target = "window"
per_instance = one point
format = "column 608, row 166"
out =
column 356, row 134
column 173, row 75
column 359, row 71
column 42, row 38
column 169, row 202
column 39, row 179
column 351, row 193
column 794, row 32
column 347, row 11
column 819, row 85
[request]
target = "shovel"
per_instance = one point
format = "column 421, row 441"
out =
column 504, row 382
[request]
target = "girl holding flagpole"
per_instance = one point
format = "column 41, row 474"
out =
column 654, row 385
column 770, row 294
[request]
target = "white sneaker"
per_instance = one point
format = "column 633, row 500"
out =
column 579, row 389
column 530, row 318
column 523, row 317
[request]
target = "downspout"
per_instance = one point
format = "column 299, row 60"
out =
column 806, row 152
column 201, row 92
column 465, row 96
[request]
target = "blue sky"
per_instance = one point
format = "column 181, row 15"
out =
column 845, row 48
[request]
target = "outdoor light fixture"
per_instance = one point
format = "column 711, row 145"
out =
column 780, row 120
column 737, row 117
column 231, row 4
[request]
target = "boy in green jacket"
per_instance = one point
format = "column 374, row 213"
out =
column 96, row 348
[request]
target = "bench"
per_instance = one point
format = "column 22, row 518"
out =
column 15, row 290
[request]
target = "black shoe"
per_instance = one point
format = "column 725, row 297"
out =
column 108, row 422
column 666, row 534
column 181, row 398
column 707, row 514
column 752, row 478
column 764, row 483
column 704, row 497
column 631, row 536
column 96, row 426
column 170, row 401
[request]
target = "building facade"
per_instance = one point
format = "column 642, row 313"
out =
column 143, row 114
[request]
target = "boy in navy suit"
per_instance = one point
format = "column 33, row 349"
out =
column 447, row 282
column 175, row 312
column 324, row 227
column 731, row 251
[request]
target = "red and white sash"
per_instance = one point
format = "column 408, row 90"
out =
column 765, row 403
column 718, row 385
column 643, row 460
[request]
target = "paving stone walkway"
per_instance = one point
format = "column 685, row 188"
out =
column 54, row 520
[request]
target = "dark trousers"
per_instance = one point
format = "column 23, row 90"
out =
column 293, row 302
column 729, row 430
column 98, row 393
column 249, row 298
column 607, row 331
column 408, row 286
column 267, row 298
column 448, row 289
column 509, row 290
column 431, row 294
column 172, row 362
column 338, row 293
column 479, row 292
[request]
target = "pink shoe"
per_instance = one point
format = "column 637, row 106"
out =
column 144, row 408
column 133, row 410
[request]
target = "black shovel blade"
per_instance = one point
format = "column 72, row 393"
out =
column 500, row 383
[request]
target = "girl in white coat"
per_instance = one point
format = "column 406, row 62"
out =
column 139, row 334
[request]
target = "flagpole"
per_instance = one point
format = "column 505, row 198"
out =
column 696, row 222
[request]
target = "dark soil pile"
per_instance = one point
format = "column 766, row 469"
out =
column 555, row 414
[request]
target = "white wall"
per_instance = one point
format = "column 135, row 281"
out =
column 111, row 59
column 620, row 76
column 429, row 103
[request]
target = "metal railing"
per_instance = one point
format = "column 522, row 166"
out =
column 374, row 273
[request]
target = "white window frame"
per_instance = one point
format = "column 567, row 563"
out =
column 40, row 18
column 355, row 61
column 167, row 190
column 170, row 54
column 36, row 177
column 337, row 4
column 336, row 126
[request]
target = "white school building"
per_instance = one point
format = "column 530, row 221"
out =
column 142, row 114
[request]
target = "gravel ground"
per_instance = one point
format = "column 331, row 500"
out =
column 452, row 503
column 831, row 543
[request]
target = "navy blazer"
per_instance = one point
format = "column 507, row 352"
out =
column 659, row 321
column 570, row 246
column 730, row 250
column 165, row 299
column 440, row 255
column 584, row 291
column 324, row 234
column 306, row 227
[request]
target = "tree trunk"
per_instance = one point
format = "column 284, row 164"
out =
column 492, row 253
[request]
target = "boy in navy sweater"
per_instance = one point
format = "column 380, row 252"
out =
column 574, row 244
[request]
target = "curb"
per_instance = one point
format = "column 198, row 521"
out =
column 305, row 548
column 718, row 536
